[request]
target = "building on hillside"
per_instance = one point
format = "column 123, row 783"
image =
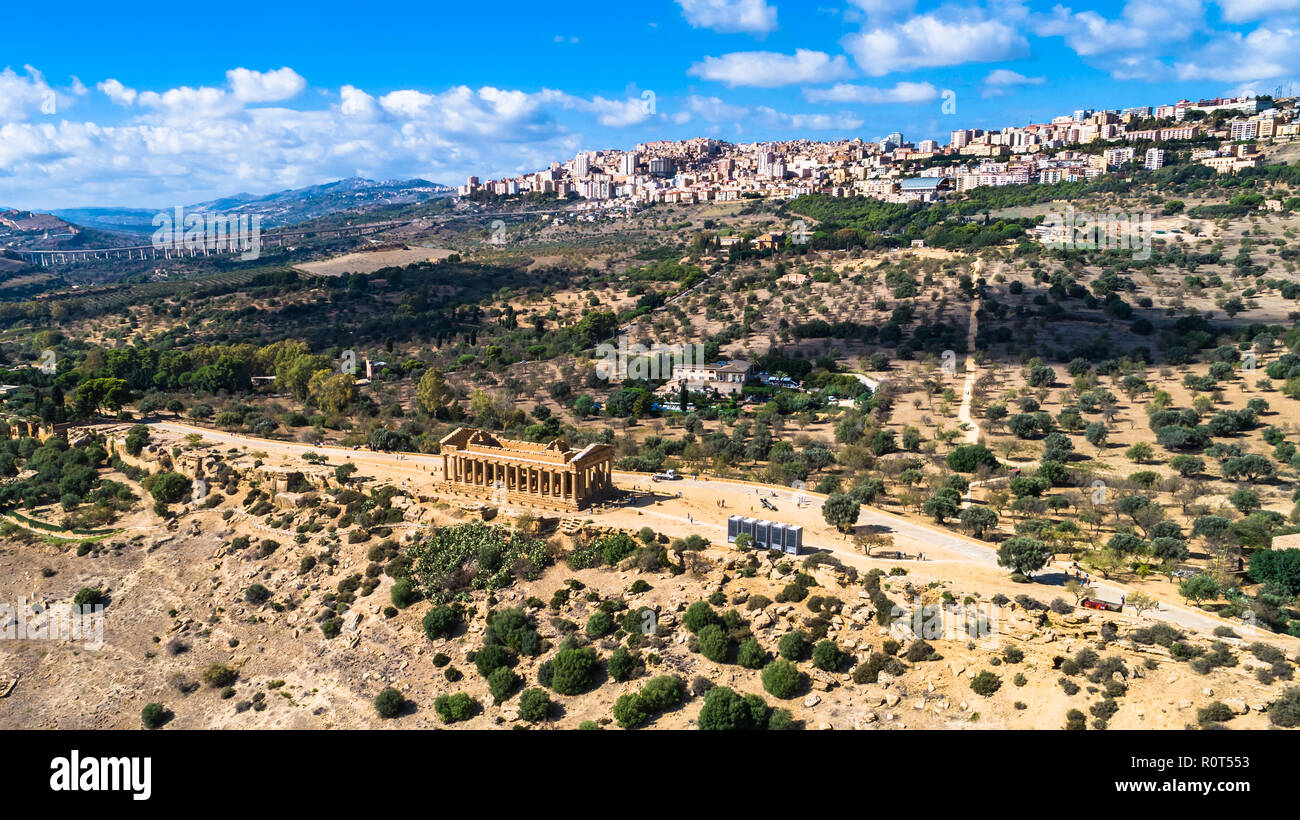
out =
column 720, row 377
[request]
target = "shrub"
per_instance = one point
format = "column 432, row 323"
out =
column 985, row 683
column 1285, row 711
column 455, row 708
column 664, row 692
column 630, row 711
column 600, row 624
column 622, row 664
column 919, row 651
column 88, row 596
column 781, row 678
column 793, row 646
column 440, row 622
column 257, row 594
column 534, row 705
column 827, row 656
column 1076, row 720
column 402, row 594
column 751, row 655
column 699, row 615
column 1216, row 712
column 714, row 643
column 153, row 715
column 573, row 670
column 389, row 703
column 490, row 658
column 502, row 683
column 218, row 676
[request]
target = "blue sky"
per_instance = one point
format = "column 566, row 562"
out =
column 152, row 107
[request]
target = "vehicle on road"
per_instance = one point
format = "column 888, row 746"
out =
column 1095, row 603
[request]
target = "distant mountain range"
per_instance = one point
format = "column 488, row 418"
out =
column 288, row 207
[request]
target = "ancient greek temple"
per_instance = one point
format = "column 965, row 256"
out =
column 477, row 462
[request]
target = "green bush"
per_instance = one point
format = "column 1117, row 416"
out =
column 664, row 692
column 699, row 615
column 793, row 646
column 573, row 670
column 714, row 643
column 985, row 683
column 535, row 705
column 751, row 655
column 1215, row 712
column 257, row 594
column 622, row 664
column 440, row 622
column 502, row 683
column 402, row 594
column 600, row 624
column 455, row 708
column 782, row 679
column 88, row 596
column 153, row 715
column 630, row 711
column 827, row 656
column 1285, row 711
column 389, row 703
column 218, row 675
column 490, row 658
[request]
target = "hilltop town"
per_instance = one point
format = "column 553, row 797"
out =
column 1219, row 133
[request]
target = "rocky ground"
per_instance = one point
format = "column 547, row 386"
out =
column 177, row 604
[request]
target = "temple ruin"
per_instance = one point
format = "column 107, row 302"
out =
column 504, row 470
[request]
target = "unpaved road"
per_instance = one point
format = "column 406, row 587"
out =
column 706, row 503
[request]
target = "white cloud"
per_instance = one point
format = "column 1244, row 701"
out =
column 1265, row 53
column 903, row 92
column 118, row 93
column 22, row 96
column 188, row 144
column 269, row 86
column 807, row 122
column 714, row 109
column 1244, row 11
column 1143, row 25
column 769, row 69
column 931, row 40
column 727, row 16
column 1001, row 80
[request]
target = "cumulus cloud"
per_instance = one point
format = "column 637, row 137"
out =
column 187, row 144
column 769, row 69
column 1245, row 11
column 1265, row 53
column 1143, row 25
column 903, row 92
column 268, row 86
column 727, row 16
column 118, row 93
column 28, row 94
column 944, row 38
